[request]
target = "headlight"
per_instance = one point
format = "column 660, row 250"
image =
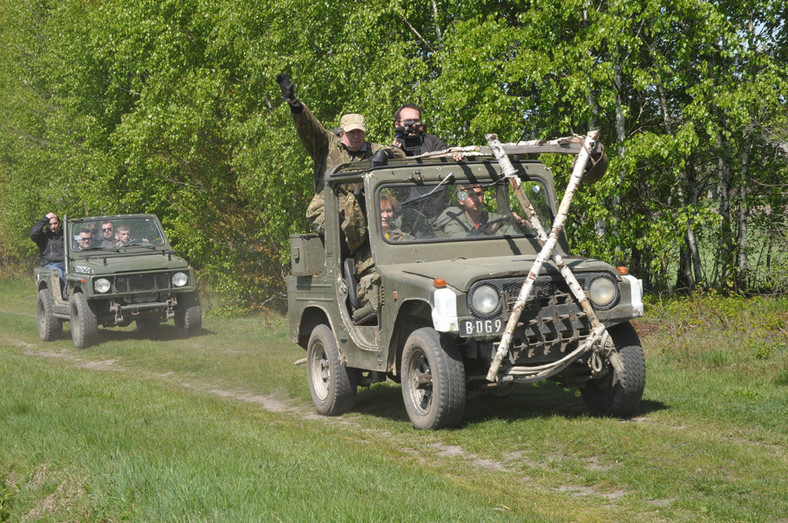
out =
column 485, row 299
column 180, row 279
column 602, row 292
column 102, row 285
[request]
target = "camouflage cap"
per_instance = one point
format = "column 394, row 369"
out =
column 352, row 121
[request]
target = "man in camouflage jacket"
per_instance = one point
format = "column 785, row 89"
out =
column 327, row 150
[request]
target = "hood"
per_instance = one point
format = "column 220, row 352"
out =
column 136, row 261
column 462, row 272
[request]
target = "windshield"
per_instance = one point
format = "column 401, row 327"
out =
column 458, row 211
column 115, row 233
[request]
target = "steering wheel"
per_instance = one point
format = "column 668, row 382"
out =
column 487, row 228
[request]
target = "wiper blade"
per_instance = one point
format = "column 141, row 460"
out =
column 424, row 196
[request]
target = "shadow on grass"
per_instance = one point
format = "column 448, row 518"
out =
column 163, row 332
column 525, row 402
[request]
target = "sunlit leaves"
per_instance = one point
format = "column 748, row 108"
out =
column 171, row 107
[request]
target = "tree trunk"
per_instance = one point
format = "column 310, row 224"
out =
column 620, row 136
column 684, row 276
column 692, row 242
column 724, row 210
column 743, row 214
column 437, row 24
column 663, row 107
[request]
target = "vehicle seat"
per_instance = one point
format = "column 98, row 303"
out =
column 349, row 272
column 365, row 315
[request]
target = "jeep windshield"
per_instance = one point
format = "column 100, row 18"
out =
column 114, row 233
column 457, row 211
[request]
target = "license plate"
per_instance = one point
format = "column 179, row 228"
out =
column 472, row 327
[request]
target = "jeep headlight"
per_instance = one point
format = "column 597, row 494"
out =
column 485, row 299
column 102, row 285
column 602, row 292
column 180, row 279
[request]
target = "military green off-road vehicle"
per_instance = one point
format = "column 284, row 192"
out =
column 115, row 282
column 452, row 316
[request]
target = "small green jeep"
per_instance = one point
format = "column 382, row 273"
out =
column 112, row 282
column 449, row 290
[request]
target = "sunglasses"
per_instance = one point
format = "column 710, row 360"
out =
column 84, row 239
column 106, row 229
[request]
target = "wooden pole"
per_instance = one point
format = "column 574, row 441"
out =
column 548, row 245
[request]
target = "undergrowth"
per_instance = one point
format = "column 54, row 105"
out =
column 710, row 331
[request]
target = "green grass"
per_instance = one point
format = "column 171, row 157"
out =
column 220, row 427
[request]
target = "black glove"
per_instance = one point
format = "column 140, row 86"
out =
column 379, row 159
column 288, row 91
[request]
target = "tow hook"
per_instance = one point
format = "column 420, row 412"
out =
column 605, row 349
column 118, row 315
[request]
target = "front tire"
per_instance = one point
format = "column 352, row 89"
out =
column 330, row 383
column 618, row 395
column 433, row 380
column 49, row 327
column 84, row 324
column 188, row 317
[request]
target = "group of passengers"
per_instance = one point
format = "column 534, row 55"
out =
column 329, row 148
column 48, row 236
column 109, row 238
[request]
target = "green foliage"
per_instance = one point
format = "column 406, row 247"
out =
column 171, row 107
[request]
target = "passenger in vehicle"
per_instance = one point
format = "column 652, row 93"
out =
column 470, row 218
column 409, row 132
column 85, row 240
column 108, row 240
column 94, row 236
column 48, row 236
column 123, row 236
column 389, row 212
column 327, row 150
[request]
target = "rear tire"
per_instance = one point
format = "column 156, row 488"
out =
column 331, row 384
column 433, row 380
column 84, row 324
column 188, row 317
column 618, row 395
column 49, row 327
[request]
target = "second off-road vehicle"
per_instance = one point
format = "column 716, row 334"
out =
column 476, row 291
column 134, row 278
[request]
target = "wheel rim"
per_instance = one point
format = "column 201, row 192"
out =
column 420, row 382
column 321, row 373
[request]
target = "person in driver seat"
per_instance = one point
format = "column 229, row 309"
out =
column 470, row 217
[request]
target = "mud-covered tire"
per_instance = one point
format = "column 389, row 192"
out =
column 84, row 324
column 433, row 380
column 618, row 395
column 331, row 384
column 49, row 327
column 188, row 317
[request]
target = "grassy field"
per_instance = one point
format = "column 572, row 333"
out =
column 220, row 427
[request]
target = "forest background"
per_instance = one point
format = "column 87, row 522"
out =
column 171, row 107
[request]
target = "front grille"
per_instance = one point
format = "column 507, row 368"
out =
column 142, row 282
column 552, row 321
